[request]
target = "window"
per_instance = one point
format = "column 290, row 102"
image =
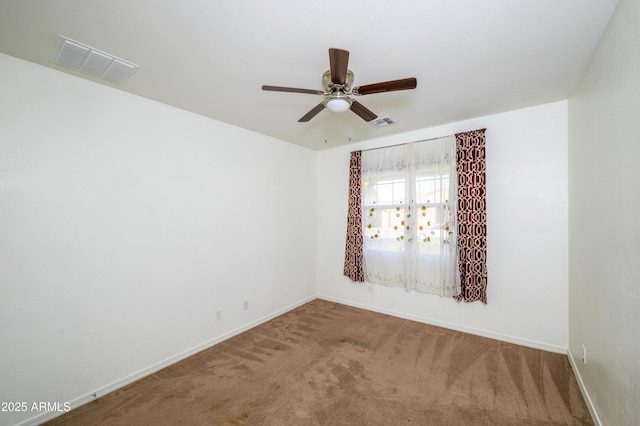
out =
column 426, row 219
column 408, row 216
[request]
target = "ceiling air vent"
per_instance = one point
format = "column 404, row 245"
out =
column 381, row 122
column 87, row 60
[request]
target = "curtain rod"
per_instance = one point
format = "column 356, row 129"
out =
column 421, row 140
column 405, row 143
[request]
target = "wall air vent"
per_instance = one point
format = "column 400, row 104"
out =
column 87, row 60
column 381, row 122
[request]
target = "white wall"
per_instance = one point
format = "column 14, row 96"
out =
column 527, row 233
column 125, row 224
column 604, row 233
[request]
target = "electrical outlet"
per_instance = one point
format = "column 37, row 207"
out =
column 246, row 305
column 218, row 314
column 584, row 354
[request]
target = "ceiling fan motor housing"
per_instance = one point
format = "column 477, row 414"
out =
column 331, row 87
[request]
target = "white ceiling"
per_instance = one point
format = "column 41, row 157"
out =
column 211, row 57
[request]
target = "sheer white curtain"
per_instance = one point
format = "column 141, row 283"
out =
column 409, row 217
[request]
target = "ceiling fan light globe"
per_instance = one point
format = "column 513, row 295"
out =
column 338, row 104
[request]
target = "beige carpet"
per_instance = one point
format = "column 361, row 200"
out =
column 330, row 364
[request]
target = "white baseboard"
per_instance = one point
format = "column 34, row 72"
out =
column 583, row 389
column 102, row 391
column 479, row 332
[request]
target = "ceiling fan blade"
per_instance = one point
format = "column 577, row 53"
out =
column 292, row 90
column 338, row 61
column 387, row 86
column 308, row 116
column 364, row 113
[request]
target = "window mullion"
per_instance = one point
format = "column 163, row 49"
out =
column 411, row 237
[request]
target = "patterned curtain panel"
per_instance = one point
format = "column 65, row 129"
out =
column 472, row 215
column 353, row 248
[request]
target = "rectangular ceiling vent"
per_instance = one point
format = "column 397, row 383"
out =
column 381, row 122
column 87, row 60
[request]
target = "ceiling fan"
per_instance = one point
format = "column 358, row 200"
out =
column 338, row 91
